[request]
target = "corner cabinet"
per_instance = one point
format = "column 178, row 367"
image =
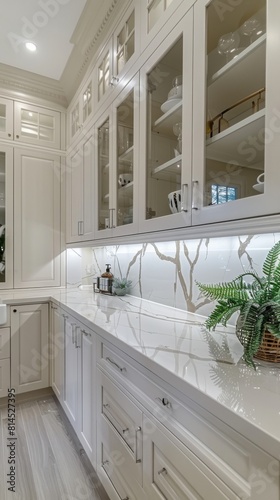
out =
column 236, row 119
column 79, row 189
column 37, row 229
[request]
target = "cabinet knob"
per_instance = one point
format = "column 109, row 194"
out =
column 14, row 310
column 9, row 135
column 162, row 471
column 17, row 136
column 164, row 402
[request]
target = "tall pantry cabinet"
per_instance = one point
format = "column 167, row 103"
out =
column 30, row 195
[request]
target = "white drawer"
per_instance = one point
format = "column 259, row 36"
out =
column 123, row 415
column 234, row 459
column 172, row 472
column 4, row 343
column 118, row 462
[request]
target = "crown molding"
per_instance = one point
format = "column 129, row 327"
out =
column 89, row 35
column 17, row 83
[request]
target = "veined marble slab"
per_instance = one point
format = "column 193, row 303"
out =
column 174, row 344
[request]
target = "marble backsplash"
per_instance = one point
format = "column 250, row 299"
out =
column 165, row 272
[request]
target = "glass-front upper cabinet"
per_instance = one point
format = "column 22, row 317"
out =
column 80, row 111
column 117, row 138
column 6, row 118
column 37, row 125
column 166, row 121
column 6, row 217
column 236, row 135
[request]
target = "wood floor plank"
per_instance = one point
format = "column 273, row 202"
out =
column 48, row 484
column 76, row 482
column 25, row 487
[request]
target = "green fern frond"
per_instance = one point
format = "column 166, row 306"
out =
column 220, row 291
column 220, row 314
column 271, row 260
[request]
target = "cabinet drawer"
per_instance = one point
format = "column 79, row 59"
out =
column 118, row 460
column 123, row 415
column 172, row 472
column 4, row 343
column 229, row 455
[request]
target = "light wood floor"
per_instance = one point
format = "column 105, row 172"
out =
column 50, row 463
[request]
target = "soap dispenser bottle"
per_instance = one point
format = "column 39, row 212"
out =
column 106, row 280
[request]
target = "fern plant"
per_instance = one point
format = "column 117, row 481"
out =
column 257, row 300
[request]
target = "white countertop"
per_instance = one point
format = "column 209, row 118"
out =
column 174, row 344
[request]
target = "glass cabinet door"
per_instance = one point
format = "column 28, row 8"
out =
column 230, row 149
column 166, row 126
column 6, row 217
column 6, row 118
column 103, row 169
column 125, row 160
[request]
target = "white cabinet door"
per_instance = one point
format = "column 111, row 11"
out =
column 6, row 217
column 117, row 159
column 6, row 118
column 235, row 115
column 37, row 125
column 79, row 192
column 71, row 370
column 57, row 351
column 166, row 132
column 86, row 390
column 29, row 347
column 37, row 225
column 4, row 377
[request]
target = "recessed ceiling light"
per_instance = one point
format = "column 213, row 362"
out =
column 31, row 46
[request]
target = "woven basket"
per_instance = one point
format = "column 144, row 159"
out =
column 269, row 349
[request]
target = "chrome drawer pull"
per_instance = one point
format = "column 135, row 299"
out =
column 126, row 498
column 115, row 364
column 106, row 405
column 73, row 334
column 164, row 402
column 125, row 430
column 106, row 462
column 137, row 460
column 162, row 471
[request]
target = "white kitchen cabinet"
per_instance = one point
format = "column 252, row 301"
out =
column 70, row 398
column 187, row 452
column 6, row 119
column 80, row 111
column 37, row 125
column 29, row 347
column 6, row 216
column 57, row 352
column 5, row 359
column 166, row 132
column 37, row 238
column 79, row 191
column 119, row 423
column 235, row 117
column 79, row 381
column 117, row 165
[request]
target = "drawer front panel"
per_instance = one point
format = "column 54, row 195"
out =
column 126, row 462
column 111, row 471
column 4, row 343
column 123, row 415
column 172, row 474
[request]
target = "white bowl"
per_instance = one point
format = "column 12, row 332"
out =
column 175, row 92
column 125, row 179
column 259, row 187
column 167, row 105
column 175, row 201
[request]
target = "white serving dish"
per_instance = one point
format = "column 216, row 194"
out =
column 167, row 105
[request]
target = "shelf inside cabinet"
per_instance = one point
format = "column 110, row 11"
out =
column 165, row 123
column 227, row 146
column 172, row 166
column 127, row 156
column 106, row 198
column 125, row 192
column 244, row 63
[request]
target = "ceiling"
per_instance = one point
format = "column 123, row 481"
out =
column 48, row 23
column 66, row 33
